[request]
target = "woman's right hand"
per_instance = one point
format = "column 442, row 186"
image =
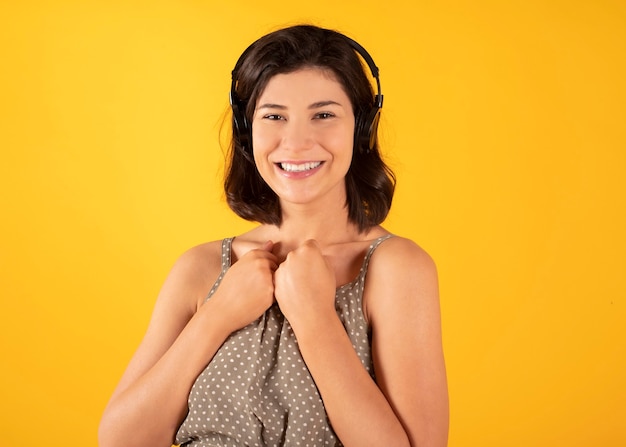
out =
column 247, row 289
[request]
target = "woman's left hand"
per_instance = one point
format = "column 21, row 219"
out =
column 304, row 287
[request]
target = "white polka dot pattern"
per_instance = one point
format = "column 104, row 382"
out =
column 257, row 390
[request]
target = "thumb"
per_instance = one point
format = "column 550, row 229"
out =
column 267, row 246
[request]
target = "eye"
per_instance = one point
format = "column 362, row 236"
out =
column 273, row 117
column 324, row 115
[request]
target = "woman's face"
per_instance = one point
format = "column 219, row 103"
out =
column 302, row 134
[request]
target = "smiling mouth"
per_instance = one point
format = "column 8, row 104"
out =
column 292, row 167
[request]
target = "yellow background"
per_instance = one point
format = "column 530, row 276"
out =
column 505, row 122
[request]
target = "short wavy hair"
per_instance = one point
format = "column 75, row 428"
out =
column 370, row 183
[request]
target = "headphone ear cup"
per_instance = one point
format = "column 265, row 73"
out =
column 367, row 132
column 240, row 125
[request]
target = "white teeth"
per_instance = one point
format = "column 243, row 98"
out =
column 289, row 167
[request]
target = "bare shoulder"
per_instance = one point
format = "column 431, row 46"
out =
column 398, row 257
column 194, row 273
column 199, row 261
column 401, row 275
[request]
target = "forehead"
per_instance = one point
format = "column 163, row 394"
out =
column 311, row 83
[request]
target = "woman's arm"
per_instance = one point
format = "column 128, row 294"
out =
column 150, row 401
column 402, row 299
column 408, row 406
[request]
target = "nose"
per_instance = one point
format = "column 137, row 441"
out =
column 297, row 135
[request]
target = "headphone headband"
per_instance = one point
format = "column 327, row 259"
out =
column 378, row 99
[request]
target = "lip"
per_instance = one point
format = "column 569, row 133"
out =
column 298, row 174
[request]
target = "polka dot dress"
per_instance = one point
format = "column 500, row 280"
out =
column 257, row 390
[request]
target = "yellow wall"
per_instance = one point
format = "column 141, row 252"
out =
column 504, row 120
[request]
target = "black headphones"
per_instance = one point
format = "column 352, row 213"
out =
column 365, row 129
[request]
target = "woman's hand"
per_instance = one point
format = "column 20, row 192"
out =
column 247, row 289
column 304, row 287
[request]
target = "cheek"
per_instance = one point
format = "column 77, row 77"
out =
column 341, row 141
column 264, row 139
column 262, row 144
column 259, row 138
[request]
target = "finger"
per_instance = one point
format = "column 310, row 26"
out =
column 266, row 253
column 311, row 248
column 312, row 243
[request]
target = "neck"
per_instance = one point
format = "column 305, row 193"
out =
column 327, row 226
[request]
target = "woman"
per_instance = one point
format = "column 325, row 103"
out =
column 317, row 327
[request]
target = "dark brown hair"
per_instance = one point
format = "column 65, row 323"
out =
column 370, row 182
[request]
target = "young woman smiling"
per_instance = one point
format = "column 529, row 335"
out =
column 318, row 327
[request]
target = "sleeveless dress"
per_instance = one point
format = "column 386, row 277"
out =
column 257, row 390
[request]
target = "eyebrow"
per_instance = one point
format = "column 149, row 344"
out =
column 315, row 105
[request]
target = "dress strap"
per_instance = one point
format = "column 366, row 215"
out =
column 226, row 261
column 370, row 251
column 227, row 244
